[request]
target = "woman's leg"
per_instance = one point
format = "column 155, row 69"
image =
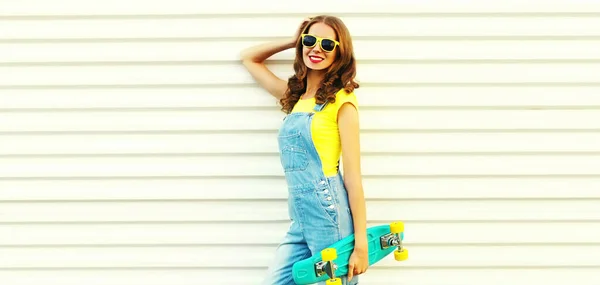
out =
column 292, row 249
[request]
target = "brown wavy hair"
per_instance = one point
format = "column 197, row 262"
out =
column 339, row 75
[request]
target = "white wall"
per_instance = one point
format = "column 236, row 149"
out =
column 125, row 129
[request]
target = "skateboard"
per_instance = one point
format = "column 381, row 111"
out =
column 333, row 260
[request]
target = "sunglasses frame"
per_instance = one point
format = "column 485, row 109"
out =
column 320, row 42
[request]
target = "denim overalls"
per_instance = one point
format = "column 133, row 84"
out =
column 318, row 205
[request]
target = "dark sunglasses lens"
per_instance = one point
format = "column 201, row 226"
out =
column 327, row 45
column 309, row 41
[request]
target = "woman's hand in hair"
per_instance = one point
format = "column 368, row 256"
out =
column 300, row 29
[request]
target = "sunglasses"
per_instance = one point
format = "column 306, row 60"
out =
column 327, row 45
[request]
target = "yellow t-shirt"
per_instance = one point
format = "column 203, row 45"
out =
column 324, row 129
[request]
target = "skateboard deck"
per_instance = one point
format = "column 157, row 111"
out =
column 333, row 261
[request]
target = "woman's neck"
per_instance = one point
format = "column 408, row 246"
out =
column 313, row 82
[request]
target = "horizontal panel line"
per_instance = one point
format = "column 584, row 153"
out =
column 274, row 153
column 282, row 200
column 363, row 61
column 276, row 107
column 244, row 86
column 252, row 85
column 137, row 268
column 274, row 131
column 377, row 266
column 282, row 221
column 382, row 14
column 150, row 63
column 140, row 132
column 200, row 245
column 263, row 38
column 262, row 222
column 130, row 86
column 273, row 107
column 457, row 176
column 261, row 268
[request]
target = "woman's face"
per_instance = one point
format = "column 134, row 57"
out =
column 316, row 57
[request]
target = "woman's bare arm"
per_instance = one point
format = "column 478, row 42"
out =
column 350, row 139
column 253, row 59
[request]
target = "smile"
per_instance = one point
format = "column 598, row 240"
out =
column 315, row 59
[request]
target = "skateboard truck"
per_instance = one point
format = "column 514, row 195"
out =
column 323, row 268
column 393, row 239
column 328, row 267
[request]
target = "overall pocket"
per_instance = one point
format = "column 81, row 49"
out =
column 294, row 156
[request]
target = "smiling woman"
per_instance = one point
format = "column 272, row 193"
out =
column 325, row 206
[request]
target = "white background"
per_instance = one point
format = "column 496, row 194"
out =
column 126, row 130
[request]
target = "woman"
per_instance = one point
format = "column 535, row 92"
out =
column 321, row 126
